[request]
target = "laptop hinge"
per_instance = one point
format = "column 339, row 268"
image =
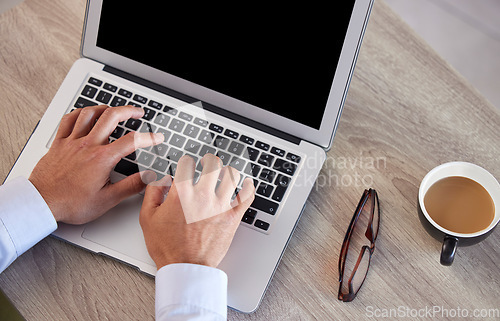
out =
column 207, row 106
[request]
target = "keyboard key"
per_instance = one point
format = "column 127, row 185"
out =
column 267, row 175
column 132, row 156
column 266, row 159
column 251, row 153
column 174, row 154
column 159, row 150
column 95, row 81
column 159, row 176
column 155, row 104
column 216, row 128
column 133, row 123
column 262, row 225
column 166, row 133
column 193, row 157
column 140, row 99
column 162, row 119
column 177, row 140
column 206, row 150
column 82, row 103
column 252, row 169
column 285, row 167
column 200, row 122
column 249, row 216
column 265, row 205
column 293, row 157
column 103, row 97
column 147, row 128
column 118, row 101
column 117, row 133
column 176, row 125
column 170, row 110
column 185, row 116
column 247, row 140
column 131, row 103
column 148, row 113
column 232, row 134
column 206, row 136
column 110, row 87
column 282, row 180
column 236, row 148
column 192, row 146
column 191, row 131
column 237, row 163
column 278, row 151
column 160, row 164
column 224, row 157
column 262, row 145
column 221, row 142
column 265, row 189
column 124, row 93
column 247, row 219
column 279, row 193
column 89, row 91
column 126, row 168
column 145, row 158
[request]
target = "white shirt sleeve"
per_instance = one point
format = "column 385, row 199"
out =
column 183, row 291
column 190, row 292
column 25, row 219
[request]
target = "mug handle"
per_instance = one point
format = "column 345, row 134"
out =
column 448, row 249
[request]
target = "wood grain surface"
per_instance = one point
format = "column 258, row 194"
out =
column 407, row 111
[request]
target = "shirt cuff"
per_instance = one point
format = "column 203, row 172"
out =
column 24, row 214
column 190, row 289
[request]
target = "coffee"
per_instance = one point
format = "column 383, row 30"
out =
column 459, row 204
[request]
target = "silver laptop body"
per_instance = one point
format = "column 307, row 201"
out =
column 254, row 81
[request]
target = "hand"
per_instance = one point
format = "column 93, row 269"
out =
column 197, row 222
column 73, row 177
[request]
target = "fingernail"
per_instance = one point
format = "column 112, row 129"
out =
column 159, row 137
column 148, row 177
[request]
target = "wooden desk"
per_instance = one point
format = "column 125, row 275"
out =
column 407, row 111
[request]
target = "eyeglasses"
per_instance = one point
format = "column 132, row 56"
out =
column 358, row 248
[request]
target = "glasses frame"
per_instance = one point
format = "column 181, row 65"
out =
column 371, row 235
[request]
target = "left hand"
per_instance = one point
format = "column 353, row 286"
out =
column 73, row 177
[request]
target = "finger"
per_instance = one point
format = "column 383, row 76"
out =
column 229, row 180
column 155, row 193
column 86, row 120
column 132, row 141
column 67, row 124
column 129, row 186
column 209, row 175
column 185, row 170
column 110, row 119
column 244, row 198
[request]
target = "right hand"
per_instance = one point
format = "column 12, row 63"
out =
column 196, row 223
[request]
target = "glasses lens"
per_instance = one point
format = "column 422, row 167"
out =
column 357, row 243
column 360, row 272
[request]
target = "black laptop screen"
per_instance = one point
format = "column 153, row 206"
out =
column 281, row 58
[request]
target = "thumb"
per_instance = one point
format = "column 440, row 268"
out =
column 129, row 186
column 155, row 192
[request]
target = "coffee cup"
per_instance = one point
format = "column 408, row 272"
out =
column 445, row 176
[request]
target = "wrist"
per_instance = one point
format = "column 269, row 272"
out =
column 168, row 261
column 47, row 198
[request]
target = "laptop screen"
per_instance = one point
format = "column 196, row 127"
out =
column 279, row 58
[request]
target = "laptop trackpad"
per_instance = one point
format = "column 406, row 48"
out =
column 120, row 231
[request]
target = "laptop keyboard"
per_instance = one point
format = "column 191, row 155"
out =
column 272, row 168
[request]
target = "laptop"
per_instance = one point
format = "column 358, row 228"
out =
column 260, row 86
